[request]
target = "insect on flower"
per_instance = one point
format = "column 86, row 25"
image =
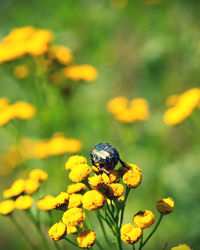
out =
column 105, row 157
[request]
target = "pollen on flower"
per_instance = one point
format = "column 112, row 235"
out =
column 75, row 160
column 132, row 178
column 144, row 219
column 73, row 217
column 86, row 239
column 165, row 205
column 57, row 231
column 181, row 247
column 130, row 234
column 93, row 200
column 47, row 203
column 61, row 199
column 7, row 207
column 75, row 188
column 75, row 200
column 38, row 175
column 24, row 202
column 79, row 173
column 31, row 186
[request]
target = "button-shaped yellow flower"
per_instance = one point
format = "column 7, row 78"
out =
column 61, row 199
column 73, row 217
column 16, row 189
column 114, row 190
column 71, row 230
column 114, row 176
column 75, row 188
column 75, row 200
column 132, row 178
column 24, row 202
column 93, row 200
column 181, row 247
column 61, row 54
column 144, row 219
column 31, row 186
column 38, row 175
column 7, row 207
column 95, row 181
column 75, row 160
column 79, row 173
column 57, row 231
column 47, row 203
column 130, row 234
column 23, row 110
column 86, row 239
column 165, row 205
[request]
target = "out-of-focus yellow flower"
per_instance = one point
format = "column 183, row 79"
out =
column 75, row 160
column 79, row 173
column 71, row 230
column 117, row 105
column 4, row 102
column 165, row 205
column 23, row 110
column 121, row 199
column 183, row 108
column 181, row 247
column 144, row 219
column 132, row 178
column 47, row 203
column 95, row 181
column 24, row 202
column 38, row 175
column 21, row 71
column 86, row 239
column 31, row 186
column 81, row 72
column 93, row 200
column 130, row 234
column 73, row 217
column 7, row 207
column 75, row 188
column 114, row 190
column 16, row 189
column 57, row 231
column 61, row 199
column 61, row 54
column 56, row 146
column 75, row 200
column 172, row 100
column 7, row 193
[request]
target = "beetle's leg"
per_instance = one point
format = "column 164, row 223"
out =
column 124, row 164
column 104, row 171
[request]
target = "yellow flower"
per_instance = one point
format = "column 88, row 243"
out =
column 114, row 176
column 81, row 72
column 79, row 173
column 172, row 100
column 16, row 189
column 31, row 186
column 121, row 199
column 7, row 207
column 75, row 160
column 24, row 202
column 130, row 234
column 6, row 115
column 73, row 217
column 144, row 219
column 61, row 199
column 139, row 106
column 132, row 178
column 93, row 200
column 181, row 247
column 86, row 239
column 165, row 205
column 75, row 200
column 47, row 203
column 61, row 53
column 21, row 71
column 95, row 181
column 75, row 188
column 38, row 175
column 71, row 230
column 113, row 190
column 117, row 105
column 3, row 103
column 8, row 193
column 57, row 231
column 23, row 110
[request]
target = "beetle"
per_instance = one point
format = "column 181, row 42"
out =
column 105, row 157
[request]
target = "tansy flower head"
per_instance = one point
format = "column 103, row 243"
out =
column 114, row 176
column 23, row 110
column 38, row 175
column 93, row 200
column 61, row 199
column 130, row 234
column 117, row 105
column 75, row 188
column 86, row 239
column 95, row 181
column 71, row 230
column 75, row 160
column 47, row 203
column 31, row 186
column 57, row 231
column 24, row 202
column 165, row 206
column 73, row 217
column 79, row 173
column 16, row 189
column 21, row 71
column 144, row 219
column 75, row 200
column 114, row 190
column 132, row 178
column 181, row 247
column 7, row 207
column 61, row 54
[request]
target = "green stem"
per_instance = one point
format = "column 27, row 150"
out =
column 56, row 245
column 153, row 231
column 71, row 242
column 103, row 228
column 133, row 246
column 123, row 208
column 20, row 229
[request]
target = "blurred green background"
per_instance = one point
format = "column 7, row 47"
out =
column 140, row 50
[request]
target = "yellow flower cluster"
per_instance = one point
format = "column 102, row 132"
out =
column 20, row 110
column 137, row 110
column 61, row 54
column 86, row 239
column 81, row 72
column 130, row 234
column 22, row 41
column 183, row 106
column 59, row 144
